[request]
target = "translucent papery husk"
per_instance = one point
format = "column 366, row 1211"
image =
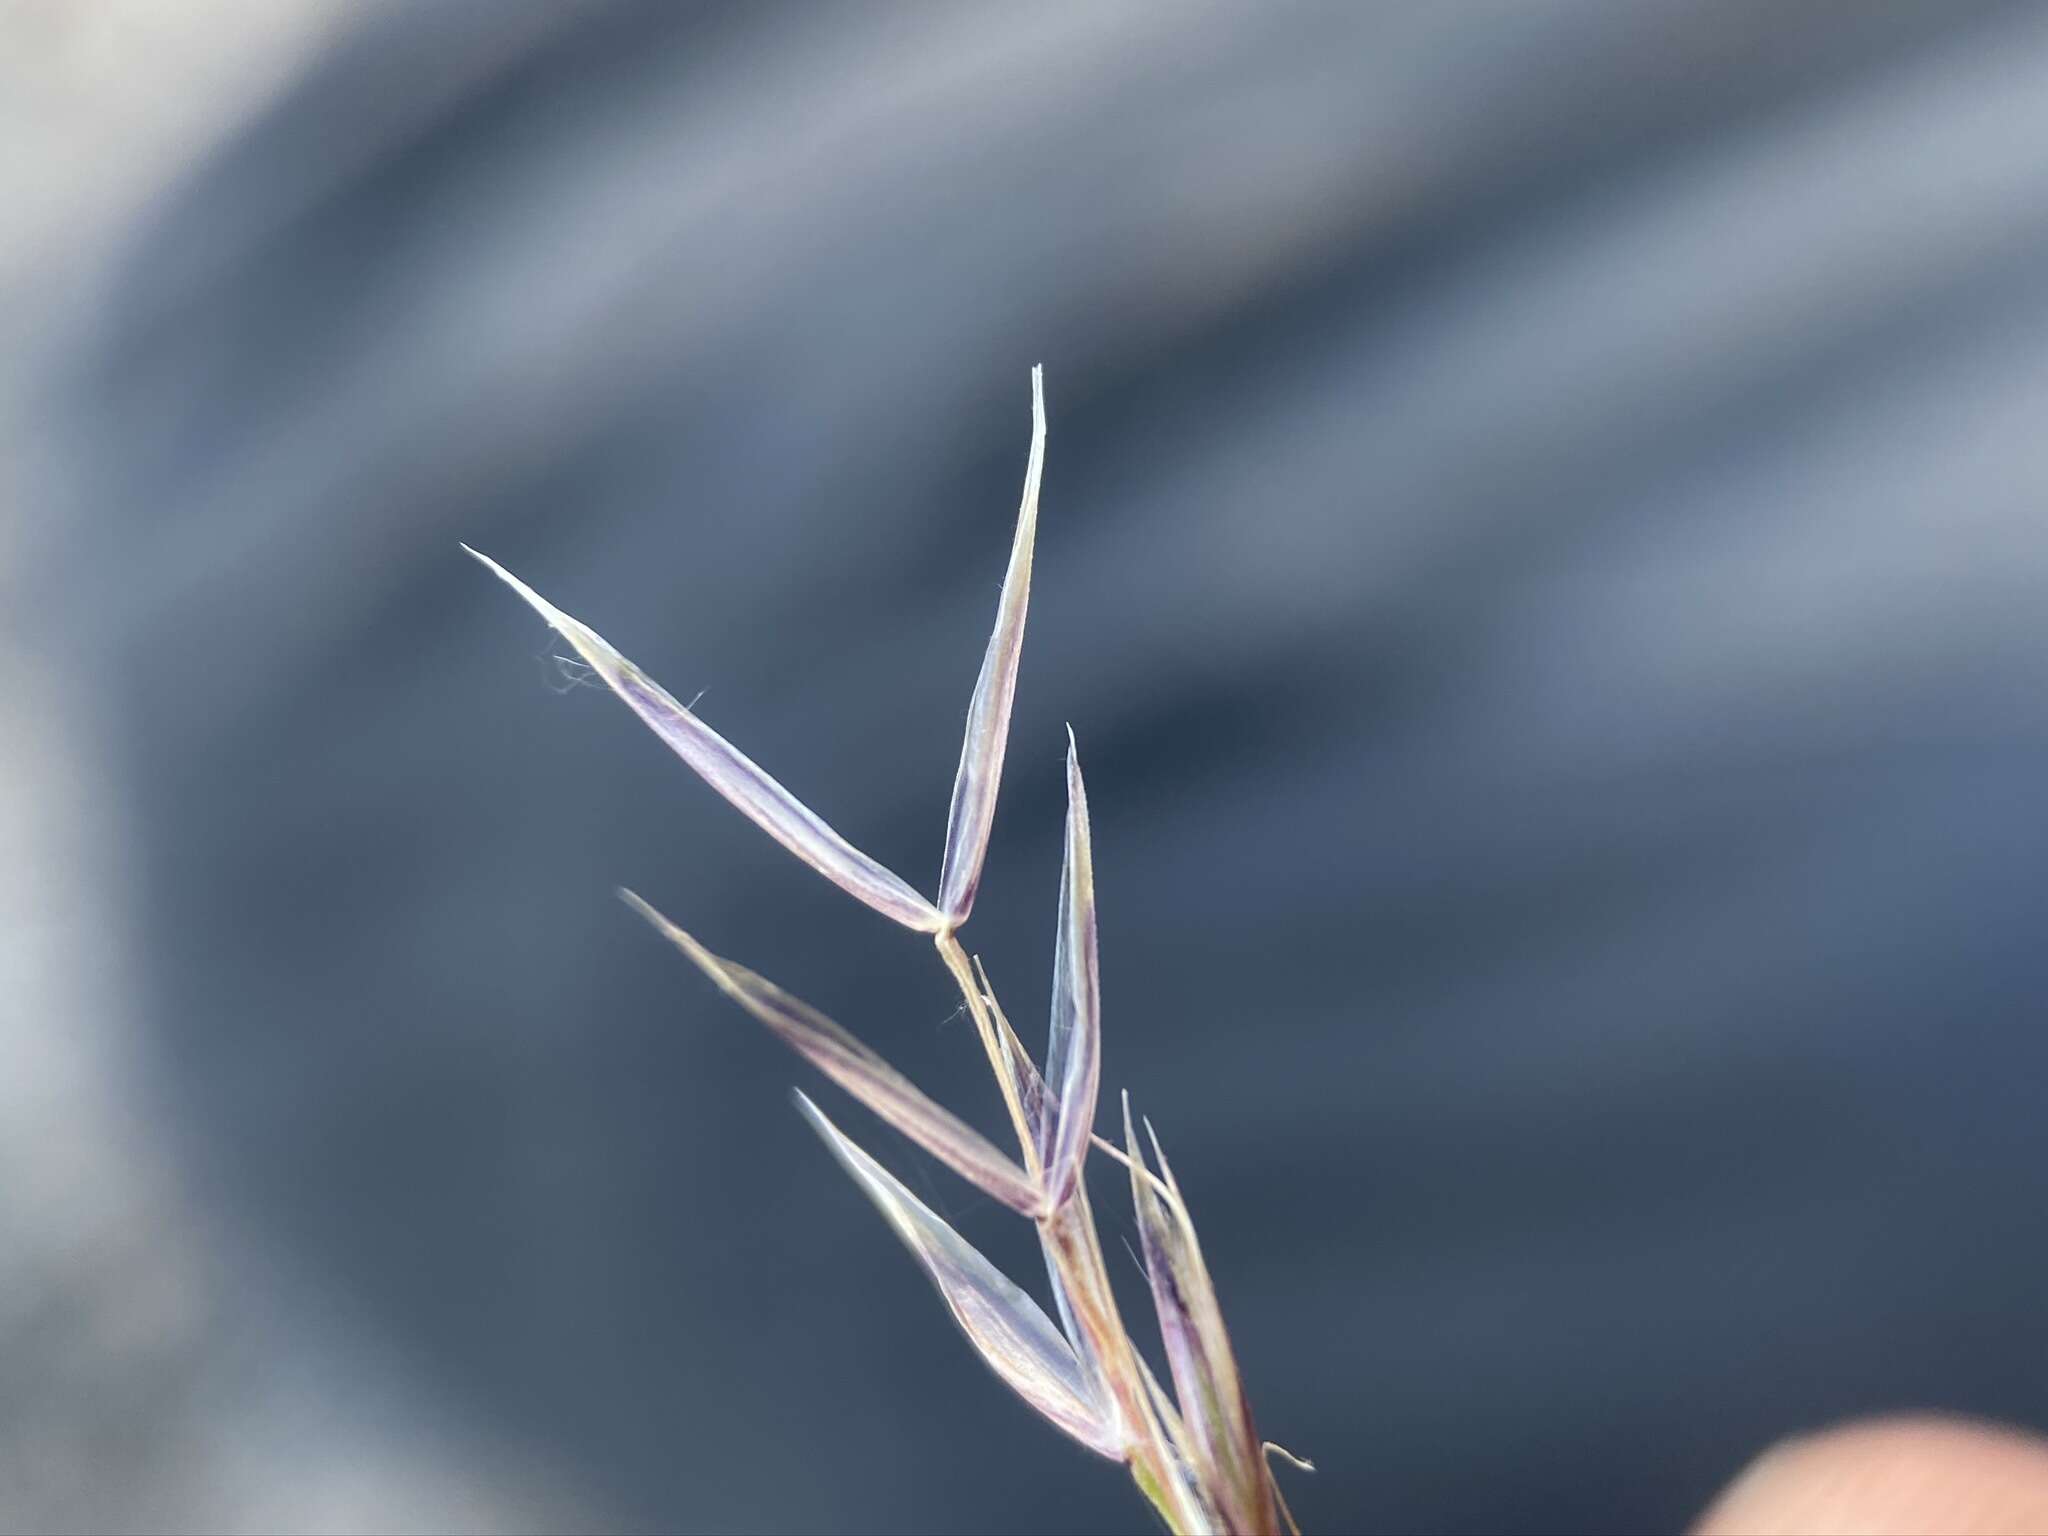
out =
column 988, row 714
column 735, row 775
column 1007, row 1328
column 862, row 1073
column 1073, row 1060
column 1215, row 1426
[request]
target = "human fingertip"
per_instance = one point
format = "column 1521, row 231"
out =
column 1920, row 1476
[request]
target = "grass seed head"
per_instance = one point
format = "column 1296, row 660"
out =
column 1192, row 1452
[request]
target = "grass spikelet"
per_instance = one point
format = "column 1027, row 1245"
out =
column 862, row 1073
column 732, row 773
column 1007, row 1328
column 1073, row 1060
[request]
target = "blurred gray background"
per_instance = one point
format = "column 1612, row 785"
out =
column 1544, row 551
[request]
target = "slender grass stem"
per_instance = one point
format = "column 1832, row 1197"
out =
column 963, row 975
column 1076, row 1249
column 1072, row 1239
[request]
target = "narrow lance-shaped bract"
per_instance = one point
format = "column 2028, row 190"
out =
column 988, row 715
column 734, row 775
column 860, row 1072
column 1214, row 1418
column 1006, row 1327
column 1073, row 1060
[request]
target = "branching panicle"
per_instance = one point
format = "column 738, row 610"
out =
column 1193, row 1452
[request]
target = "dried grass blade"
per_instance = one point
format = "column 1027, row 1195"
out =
column 1215, row 1419
column 1009, row 1330
column 1073, row 1061
column 860, row 1072
column 734, row 775
column 988, row 715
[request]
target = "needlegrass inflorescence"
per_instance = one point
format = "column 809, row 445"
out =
column 1193, row 1451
